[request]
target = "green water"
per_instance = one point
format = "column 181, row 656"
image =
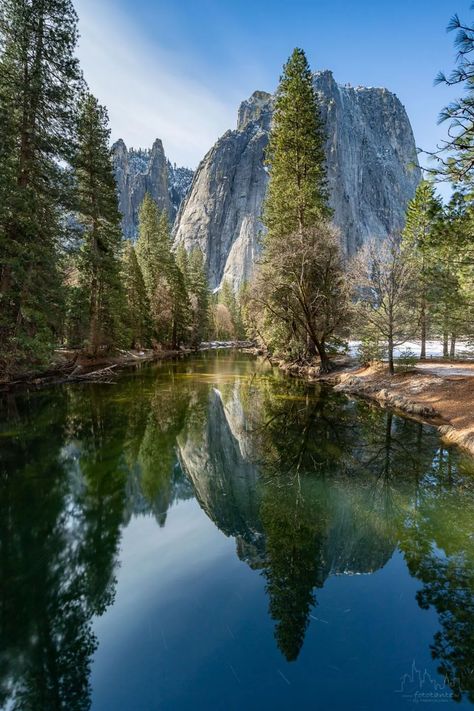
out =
column 208, row 534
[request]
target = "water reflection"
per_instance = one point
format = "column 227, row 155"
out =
column 309, row 484
column 317, row 486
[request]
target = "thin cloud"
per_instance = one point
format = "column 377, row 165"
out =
column 145, row 96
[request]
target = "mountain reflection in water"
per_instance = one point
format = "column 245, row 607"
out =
column 310, row 484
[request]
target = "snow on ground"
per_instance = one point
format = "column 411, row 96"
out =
column 434, row 349
column 446, row 369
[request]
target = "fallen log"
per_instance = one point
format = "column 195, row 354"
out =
column 94, row 374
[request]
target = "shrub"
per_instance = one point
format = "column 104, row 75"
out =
column 370, row 350
column 406, row 360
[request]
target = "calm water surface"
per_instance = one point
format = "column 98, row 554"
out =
column 208, row 534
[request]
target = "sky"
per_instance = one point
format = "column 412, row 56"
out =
column 178, row 69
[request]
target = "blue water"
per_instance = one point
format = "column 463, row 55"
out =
column 210, row 535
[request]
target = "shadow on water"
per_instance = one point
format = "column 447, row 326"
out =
column 309, row 484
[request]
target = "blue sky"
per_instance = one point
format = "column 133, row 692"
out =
column 178, row 69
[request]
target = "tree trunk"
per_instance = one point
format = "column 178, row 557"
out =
column 445, row 344
column 391, row 367
column 452, row 348
column 423, row 330
column 312, row 350
column 94, row 319
column 445, row 336
column 325, row 365
column 95, row 297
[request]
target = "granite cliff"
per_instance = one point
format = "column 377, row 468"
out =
column 372, row 173
column 140, row 171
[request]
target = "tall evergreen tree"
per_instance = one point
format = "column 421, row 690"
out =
column 199, row 288
column 299, row 293
column 164, row 281
column 137, row 319
column 423, row 214
column 180, row 311
column 39, row 81
column 452, row 273
column 99, row 218
column 150, row 250
column 193, row 268
column 297, row 192
column 182, row 260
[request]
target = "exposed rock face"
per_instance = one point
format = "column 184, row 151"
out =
column 372, row 173
column 257, row 109
column 140, row 171
column 222, row 212
column 371, row 158
column 179, row 183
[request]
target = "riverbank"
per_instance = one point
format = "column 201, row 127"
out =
column 440, row 393
column 69, row 366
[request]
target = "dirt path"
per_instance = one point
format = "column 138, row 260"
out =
column 446, row 369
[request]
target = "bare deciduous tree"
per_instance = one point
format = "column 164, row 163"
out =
column 300, row 293
column 383, row 283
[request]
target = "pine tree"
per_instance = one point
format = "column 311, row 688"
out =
column 198, row 291
column 180, row 306
column 452, row 273
column 39, row 81
column 99, row 218
column 149, row 249
column 76, row 322
column 297, row 192
column 294, row 313
column 137, row 319
column 423, row 214
column 182, row 260
column 164, row 281
column 181, row 309
column 192, row 267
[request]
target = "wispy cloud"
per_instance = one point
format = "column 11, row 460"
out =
column 145, row 90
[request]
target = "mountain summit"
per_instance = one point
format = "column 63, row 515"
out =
column 372, row 174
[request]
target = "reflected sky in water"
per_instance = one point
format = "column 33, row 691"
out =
column 211, row 534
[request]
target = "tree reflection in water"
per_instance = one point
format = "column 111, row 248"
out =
column 309, row 483
column 339, row 486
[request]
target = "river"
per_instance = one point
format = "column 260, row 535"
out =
column 211, row 534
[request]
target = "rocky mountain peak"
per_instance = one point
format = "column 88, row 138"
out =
column 119, row 148
column 138, row 171
column 157, row 147
column 257, row 110
column 372, row 175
